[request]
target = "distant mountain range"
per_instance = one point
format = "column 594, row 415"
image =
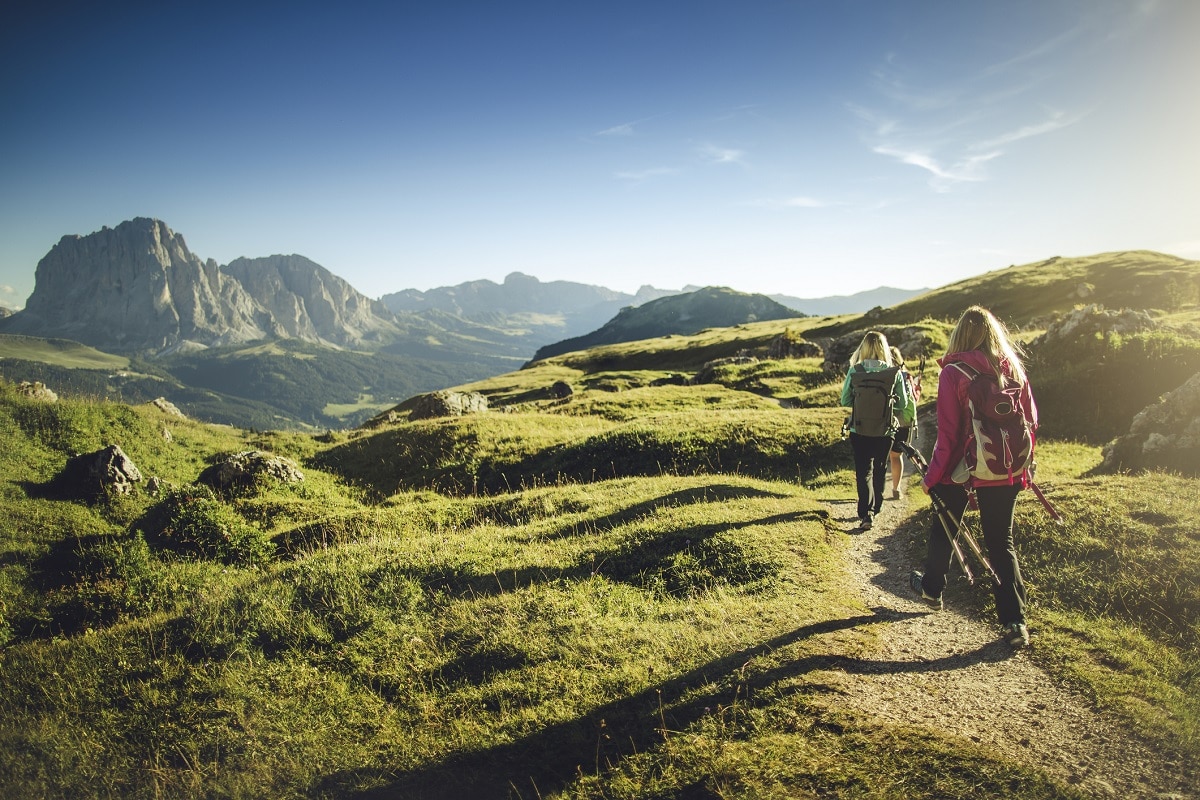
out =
column 194, row 326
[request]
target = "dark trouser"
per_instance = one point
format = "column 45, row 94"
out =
column 996, row 504
column 870, row 470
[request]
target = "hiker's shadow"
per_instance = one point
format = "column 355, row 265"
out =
column 547, row 760
column 902, row 549
column 844, row 510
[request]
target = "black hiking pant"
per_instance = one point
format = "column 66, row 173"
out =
column 871, row 458
column 996, row 504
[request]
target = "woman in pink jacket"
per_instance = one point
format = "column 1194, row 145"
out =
column 981, row 343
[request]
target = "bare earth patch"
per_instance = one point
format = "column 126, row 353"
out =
column 949, row 672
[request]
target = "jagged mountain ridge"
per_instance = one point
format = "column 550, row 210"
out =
column 137, row 288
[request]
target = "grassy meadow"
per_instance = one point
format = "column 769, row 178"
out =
column 634, row 592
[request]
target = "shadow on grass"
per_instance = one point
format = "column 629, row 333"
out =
column 547, row 761
column 716, row 493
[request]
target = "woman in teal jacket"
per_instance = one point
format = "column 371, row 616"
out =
column 871, row 453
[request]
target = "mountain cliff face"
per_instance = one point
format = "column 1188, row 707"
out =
column 309, row 302
column 137, row 287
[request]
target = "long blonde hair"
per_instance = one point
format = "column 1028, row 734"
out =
column 978, row 329
column 874, row 345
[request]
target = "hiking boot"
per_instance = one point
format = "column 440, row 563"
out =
column 864, row 524
column 1016, row 634
column 895, row 494
column 914, row 583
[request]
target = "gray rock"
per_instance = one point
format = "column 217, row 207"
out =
column 913, row 342
column 250, row 468
column 1165, row 435
column 37, row 390
column 1093, row 319
column 167, row 407
column 448, row 404
column 137, row 288
column 106, row 471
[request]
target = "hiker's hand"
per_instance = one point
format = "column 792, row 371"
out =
column 924, row 488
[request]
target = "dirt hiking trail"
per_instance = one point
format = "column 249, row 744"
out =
column 950, row 672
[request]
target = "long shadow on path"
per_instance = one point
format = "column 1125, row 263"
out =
column 546, row 761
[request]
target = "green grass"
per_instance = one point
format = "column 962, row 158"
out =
column 60, row 352
column 632, row 592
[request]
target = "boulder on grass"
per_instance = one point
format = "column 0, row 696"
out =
column 248, row 469
column 1165, row 435
column 448, row 404
column 106, row 471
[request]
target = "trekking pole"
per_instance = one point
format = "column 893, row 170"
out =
column 960, row 527
column 943, row 514
column 1054, row 515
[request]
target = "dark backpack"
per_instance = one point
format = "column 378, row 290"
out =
column 873, row 400
column 1001, row 440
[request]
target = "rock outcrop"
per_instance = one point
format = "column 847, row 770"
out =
column 37, row 390
column 1165, row 435
column 106, row 471
column 913, row 342
column 248, row 469
column 1095, row 319
column 448, row 404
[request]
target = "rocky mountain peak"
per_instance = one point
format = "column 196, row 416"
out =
column 137, row 287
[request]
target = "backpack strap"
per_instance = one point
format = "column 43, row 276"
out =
column 965, row 369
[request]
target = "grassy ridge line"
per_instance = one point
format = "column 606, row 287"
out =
column 1021, row 294
column 60, row 352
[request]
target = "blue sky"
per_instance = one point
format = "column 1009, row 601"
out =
column 809, row 147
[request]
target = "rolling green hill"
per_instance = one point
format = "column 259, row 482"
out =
column 61, row 352
column 1024, row 296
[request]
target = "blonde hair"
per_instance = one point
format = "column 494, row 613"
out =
column 897, row 356
column 978, row 329
column 874, row 345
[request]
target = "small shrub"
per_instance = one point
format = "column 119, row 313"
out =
column 193, row 522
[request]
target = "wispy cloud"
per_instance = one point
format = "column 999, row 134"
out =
column 721, row 155
column 1058, row 120
column 944, row 175
column 954, row 126
column 626, row 128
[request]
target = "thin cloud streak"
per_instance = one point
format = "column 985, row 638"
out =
column 721, row 155
column 968, row 169
column 1057, row 121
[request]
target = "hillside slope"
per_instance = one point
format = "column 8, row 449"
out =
column 1024, row 296
column 712, row 307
